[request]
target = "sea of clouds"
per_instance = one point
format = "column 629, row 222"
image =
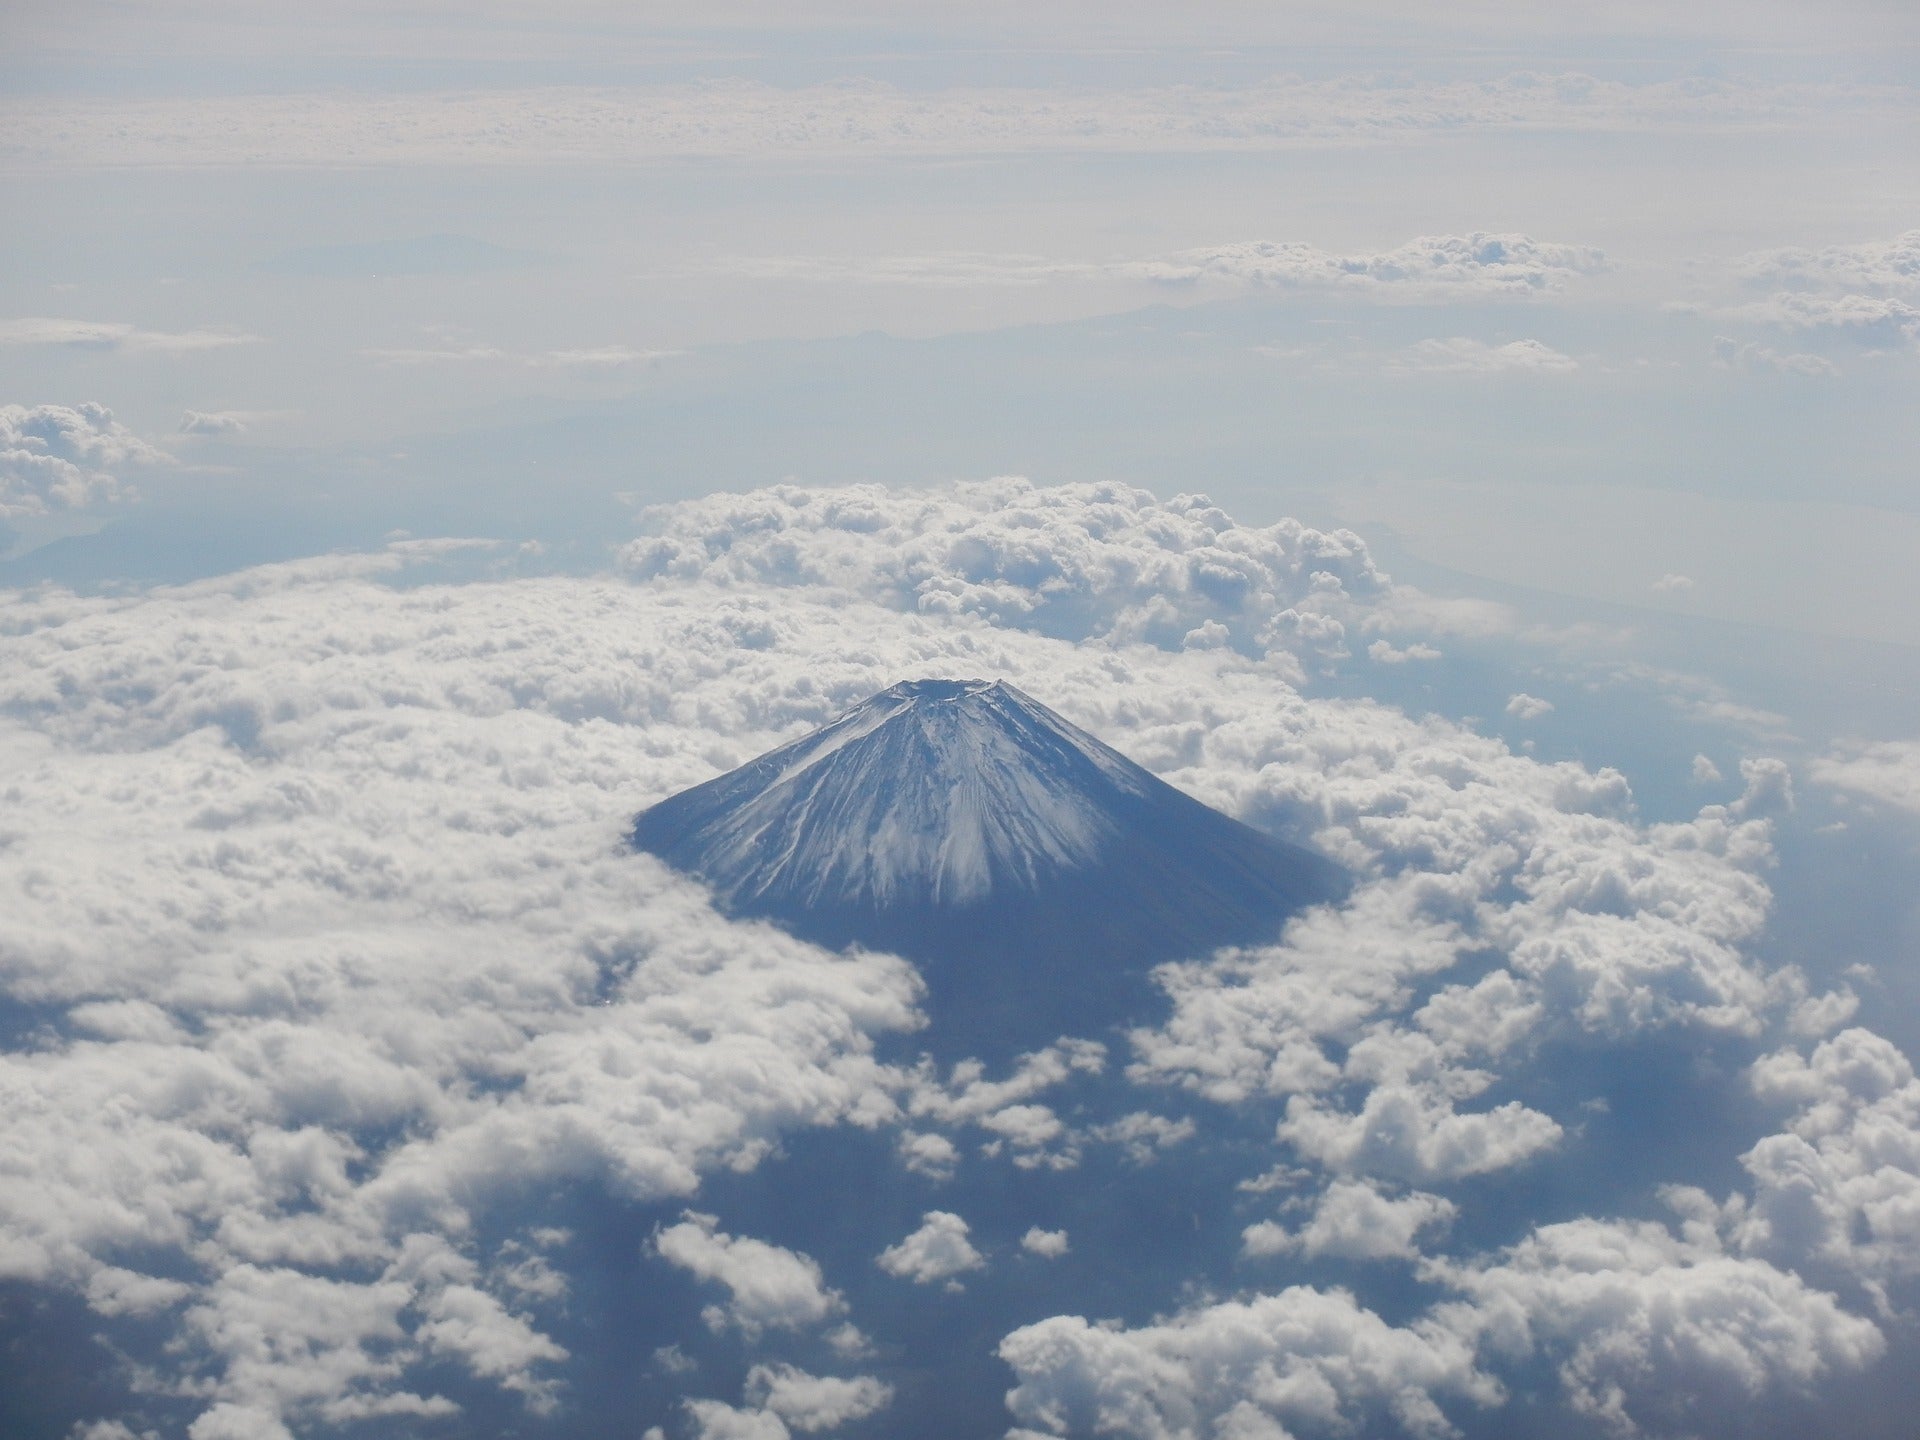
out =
column 322, row 950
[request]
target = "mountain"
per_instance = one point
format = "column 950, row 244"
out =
column 1035, row 874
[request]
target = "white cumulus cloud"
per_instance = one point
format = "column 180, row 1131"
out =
column 938, row 1250
column 66, row 457
column 770, row 1287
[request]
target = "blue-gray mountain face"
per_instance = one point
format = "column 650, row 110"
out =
column 1035, row 874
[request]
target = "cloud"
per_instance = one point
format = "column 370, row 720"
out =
column 1672, row 584
column 66, row 457
column 622, row 126
column 1653, row 1329
column 1048, row 1244
column 213, row 422
column 1465, row 356
column 1478, row 264
column 1382, row 652
column 1731, row 354
column 601, row 357
column 1884, row 770
column 1872, row 265
column 1528, row 707
column 771, row 1287
column 938, row 1250
column 1354, row 1220
column 116, row 336
column 1645, row 1327
column 812, row 1403
column 1840, row 1186
column 1082, row 562
column 373, row 968
column 717, row 1420
column 597, row 357
column 1874, row 320
column 1255, row 1367
column 1430, row 267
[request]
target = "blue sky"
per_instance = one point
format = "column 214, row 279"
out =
column 430, row 434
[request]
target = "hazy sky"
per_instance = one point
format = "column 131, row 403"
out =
column 431, row 432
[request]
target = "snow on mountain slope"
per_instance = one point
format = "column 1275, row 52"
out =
column 1036, row 873
column 934, row 791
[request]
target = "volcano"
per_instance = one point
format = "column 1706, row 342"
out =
column 1035, row 874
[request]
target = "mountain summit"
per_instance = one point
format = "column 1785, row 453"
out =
column 1035, row 873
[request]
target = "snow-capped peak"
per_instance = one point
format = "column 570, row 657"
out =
column 932, row 791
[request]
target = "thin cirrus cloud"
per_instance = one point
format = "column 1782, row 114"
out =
column 599, row 126
column 373, row 970
column 598, row 357
column 1463, row 355
column 117, row 337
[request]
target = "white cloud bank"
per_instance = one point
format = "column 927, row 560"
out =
column 373, row 961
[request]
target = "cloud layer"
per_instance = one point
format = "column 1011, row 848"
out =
column 329, row 952
column 740, row 118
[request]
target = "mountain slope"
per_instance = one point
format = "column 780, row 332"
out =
column 1035, row 873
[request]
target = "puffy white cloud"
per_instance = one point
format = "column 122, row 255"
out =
column 1871, row 265
column 1649, row 1328
column 771, row 1287
column 1258, row 1367
column 1645, row 1328
column 66, row 457
column 1463, row 355
column 938, row 1250
column 1048, row 1244
column 1408, row 1130
column 1840, row 1186
column 717, row 1420
column 1004, row 1108
column 812, row 1403
column 1528, row 707
column 1354, row 1220
column 934, row 1156
column 1077, row 561
column 117, row 336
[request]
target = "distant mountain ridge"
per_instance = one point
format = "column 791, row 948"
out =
column 1035, row 873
